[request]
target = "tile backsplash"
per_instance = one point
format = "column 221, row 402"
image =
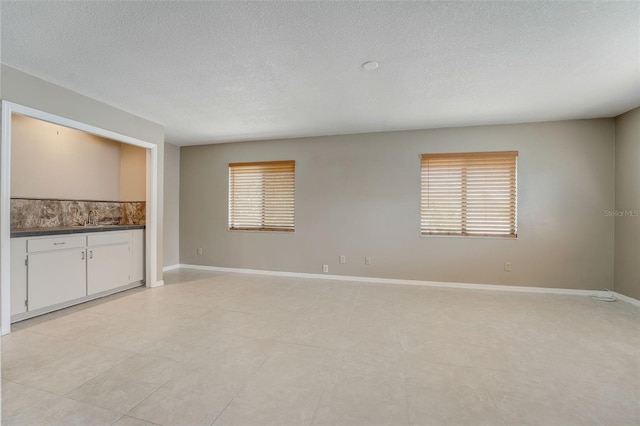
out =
column 49, row 213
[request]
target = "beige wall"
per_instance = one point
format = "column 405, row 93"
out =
column 52, row 161
column 24, row 89
column 627, row 226
column 358, row 195
column 133, row 173
column 171, row 204
column 1, row 271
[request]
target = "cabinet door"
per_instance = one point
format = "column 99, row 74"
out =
column 137, row 255
column 18, row 275
column 56, row 277
column 107, row 267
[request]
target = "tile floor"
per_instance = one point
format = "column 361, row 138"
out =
column 223, row 349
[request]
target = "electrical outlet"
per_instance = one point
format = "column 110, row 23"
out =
column 367, row 260
column 343, row 259
column 325, row 268
column 199, row 251
column 507, row 266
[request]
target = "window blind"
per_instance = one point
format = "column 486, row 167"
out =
column 469, row 194
column 262, row 196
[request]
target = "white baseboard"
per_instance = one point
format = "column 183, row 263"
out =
column 170, row 267
column 157, row 283
column 627, row 299
column 490, row 287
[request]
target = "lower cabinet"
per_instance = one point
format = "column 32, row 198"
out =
column 137, row 255
column 18, row 276
column 55, row 277
column 52, row 272
column 107, row 268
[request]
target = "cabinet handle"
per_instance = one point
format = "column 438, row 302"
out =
column 90, row 254
column 58, row 244
column 82, row 255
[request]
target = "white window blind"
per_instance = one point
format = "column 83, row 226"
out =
column 262, row 196
column 469, row 194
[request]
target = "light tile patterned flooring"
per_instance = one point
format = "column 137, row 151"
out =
column 227, row 349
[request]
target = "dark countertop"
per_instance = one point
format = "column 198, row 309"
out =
column 61, row 230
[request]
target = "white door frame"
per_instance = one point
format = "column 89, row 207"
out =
column 151, row 251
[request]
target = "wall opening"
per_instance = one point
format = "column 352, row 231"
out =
column 11, row 111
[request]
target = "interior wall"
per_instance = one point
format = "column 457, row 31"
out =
column 52, row 161
column 627, row 212
column 358, row 195
column 25, row 89
column 171, row 205
column 2, row 273
column 133, row 173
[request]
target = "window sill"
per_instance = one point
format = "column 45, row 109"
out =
column 261, row 230
column 474, row 237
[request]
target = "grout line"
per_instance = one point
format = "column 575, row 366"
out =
column 133, row 417
column 249, row 377
column 315, row 412
column 228, row 403
column 486, row 389
column 38, row 404
column 146, row 398
column 337, row 367
column 402, row 357
column 82, row 342
column 95, row 377
column 284, row 342
column 117, row 420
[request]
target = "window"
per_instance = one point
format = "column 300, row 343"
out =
column 261, row 196
column 469, row 194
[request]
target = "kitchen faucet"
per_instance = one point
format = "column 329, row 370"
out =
column 95, row 218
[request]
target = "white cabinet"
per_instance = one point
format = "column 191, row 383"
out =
column 137, row 255
column 18, row 275
column 109, row 262
column 56, row 243
column 56, row 277
column 52, row 272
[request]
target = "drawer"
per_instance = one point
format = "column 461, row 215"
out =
column 112, row 237
column 55, row 243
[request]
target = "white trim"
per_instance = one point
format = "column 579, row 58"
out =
column 627, row 299
column 151, row 238
column 67, row 122
column 156, row 284
column 171, row 267
column 5, row 219
column 9, row 108
column 467, row 286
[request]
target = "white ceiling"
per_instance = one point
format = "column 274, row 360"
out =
column 231, row 71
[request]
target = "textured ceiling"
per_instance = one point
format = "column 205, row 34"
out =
column 231, row 71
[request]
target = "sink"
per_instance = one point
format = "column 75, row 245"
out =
column 97, row 226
